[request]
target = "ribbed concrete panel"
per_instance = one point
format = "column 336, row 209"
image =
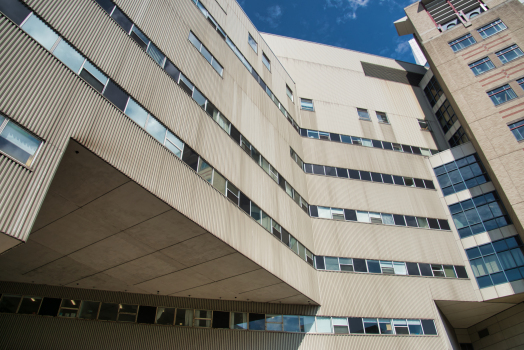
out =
column 373, row 241
column 367, row 295
column 364, row 158
column 376, row 197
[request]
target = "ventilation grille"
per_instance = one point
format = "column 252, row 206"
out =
column 391, row 74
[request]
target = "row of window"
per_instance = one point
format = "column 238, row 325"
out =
column 205, row 52
column 139, row 115
column 377, row 218
column 433, row 91
column 244, row 61
column 462, row 173
column 360, row 141
column 485, row 32
column 367, row 176
column 505, row 55
column 458, row 138
column 363, row 114
column 17, row 143
column 95, row 310
column 497, row 262
column 504, row 93
column 330, row 263
column 446, row 116
column 67, row 54
column 265, row 59
column 479, row 214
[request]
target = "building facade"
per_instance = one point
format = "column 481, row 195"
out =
column 172, row 178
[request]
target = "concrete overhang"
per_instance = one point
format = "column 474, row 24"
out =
column 98, row 229
column 404, row 26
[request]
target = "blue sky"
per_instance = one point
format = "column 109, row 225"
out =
column 362, row 25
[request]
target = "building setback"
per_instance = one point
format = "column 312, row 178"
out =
column 172, row 178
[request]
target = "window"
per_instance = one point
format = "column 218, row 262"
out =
column 252, row 43
column 502, row 94
column 69, row 308
column 424, row 125
column 491, row 29
column 39, row 31
column 266, row 61
column 458, row 138
column 306, row 104
column 165, row 315
column 479, row 214
column 289, row 93
column 446, row 116
column 340, row 325
column 481, row 66
column 203, row 318
column 363, row 114
column 517, row 129
column 17, row 143
column 509, row 54
column 462, row 42
column 205, row 52
column 382, row 118
column 274, row 322
column 497, row 262
column 433, row 91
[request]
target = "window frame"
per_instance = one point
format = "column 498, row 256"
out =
column 468, row 37
column 266, row 61
column 3, row 125
column 509, row 49
column 503, row 88
column 485, row 60
column 493, row 24
column 361, row 111
column 307, row 108
column 249, row 39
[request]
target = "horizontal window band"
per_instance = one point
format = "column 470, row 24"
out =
column 377, row 218
column 388, row 267
column 43, row 34
column 212, row 319
column 361, row 141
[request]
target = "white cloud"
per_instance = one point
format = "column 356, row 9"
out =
column 349, row 8
column 402, row 48
column 272, row 17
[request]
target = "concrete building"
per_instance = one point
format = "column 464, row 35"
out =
column 475, row 86
column 172, row 178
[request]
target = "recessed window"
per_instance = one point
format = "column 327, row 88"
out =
column 363, row 114
column 289, row 93
column 481, row 66
column 491, row 29
column 17, row 142
column 509, row 54
column 382, row 118
column 502, row 94
column 266, row 61
column 252, row 43
column 433, row 91
column 462, row 42
column 517, row 129
column 424, row 125
column 306, row 104
column 40, row 32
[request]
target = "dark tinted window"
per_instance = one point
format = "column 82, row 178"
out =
column 330, row 171
column 335, row 137
column 235, row 134
column 146, row 314
column 353, row 174
column 49, row 307
column 399, row 220
column 419, row 183
column 303, row 132
column 313, row 211
column 413, row 269
column 425, row 270
column 374, row 266
column 444, row 224
column 285, row 237
column 416, row 150
column 341, row 172
column 10, row 303
column 14, row 10
column 94, row 82
column 461, row 272
column 360, row 265
column 411, row 221
column 429, row 184
column 429, row 327
column 350, row 215
column 433, row 223
column 29, row 306
column 387, row 145
column 116, row 95
column 220, row 319
column 106, row 5
column 122, row 19
column 320, row 262
column 377, row 143
column 171, row 70
column 388, row 179
column 376, row 177
column 399, row 180
column 308, row 168
column 190, row 157
column 355, row 325
column 245, row 203
column 257, row 322
column 318, row 169
column 406, row 148
column 365, row 175
column 108, row 312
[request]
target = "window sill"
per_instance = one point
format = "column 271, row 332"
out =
column 506, row 102
column 384, row 123
column 30, row 168
column 365, row 120
column 492, row 69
